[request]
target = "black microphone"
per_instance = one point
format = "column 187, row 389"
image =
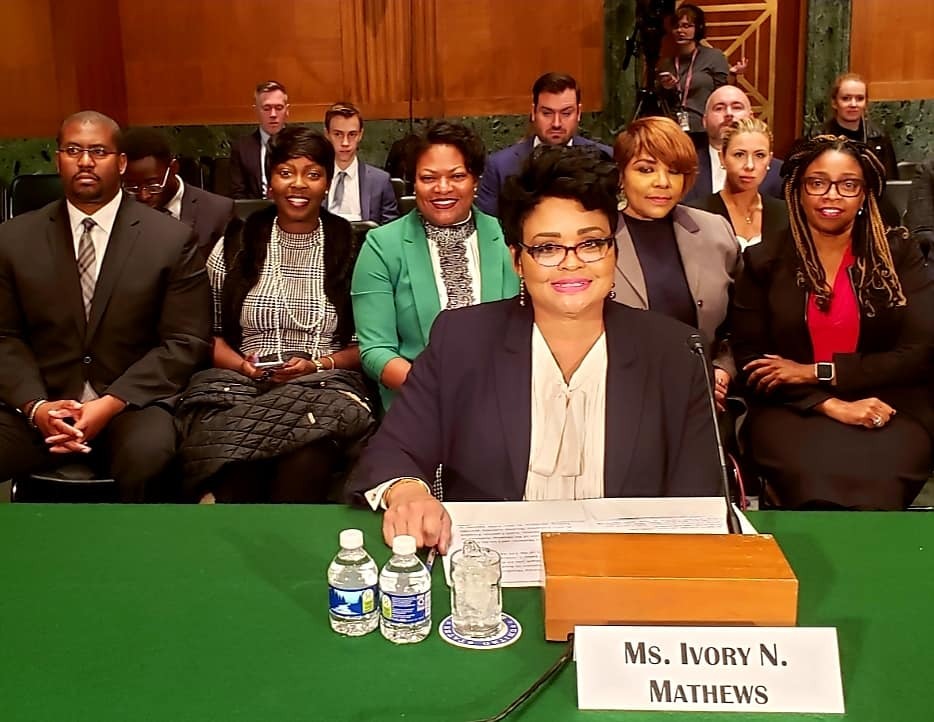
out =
column 732, row 521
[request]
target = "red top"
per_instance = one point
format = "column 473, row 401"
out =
column 837, row 329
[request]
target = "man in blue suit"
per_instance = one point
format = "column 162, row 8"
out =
column 556, row 114
column 359, row 192
column 725, row 106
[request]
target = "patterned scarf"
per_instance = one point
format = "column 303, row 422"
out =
column 451, row 242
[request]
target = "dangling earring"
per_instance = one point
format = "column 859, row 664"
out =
column 622, row 202
column 860, row 211
column 612, row 294
column 522, row 292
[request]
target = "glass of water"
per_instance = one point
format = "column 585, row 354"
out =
column 476, row 594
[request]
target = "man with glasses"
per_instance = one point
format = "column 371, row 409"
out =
column 249, row 171
column 359, row 192
column 104, row 316
column 152, row 178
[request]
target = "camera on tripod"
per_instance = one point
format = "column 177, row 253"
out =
column 646, row 40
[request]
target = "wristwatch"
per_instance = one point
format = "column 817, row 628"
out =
column 319, row 364
column 824, row 370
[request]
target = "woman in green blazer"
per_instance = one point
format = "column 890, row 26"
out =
column 443, row 254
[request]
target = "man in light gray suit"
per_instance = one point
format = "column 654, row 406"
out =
column 359, row 192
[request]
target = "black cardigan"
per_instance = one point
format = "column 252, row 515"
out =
column 774, row 213
column 245, row 245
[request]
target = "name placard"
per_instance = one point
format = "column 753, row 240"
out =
column 724, row 669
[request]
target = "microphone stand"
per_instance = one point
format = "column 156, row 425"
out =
column 732, row 521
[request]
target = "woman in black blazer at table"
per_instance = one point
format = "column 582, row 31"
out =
column 556, row 394
column 834, row 333
column 746, row 155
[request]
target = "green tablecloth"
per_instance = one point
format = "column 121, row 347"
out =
column 219, row 613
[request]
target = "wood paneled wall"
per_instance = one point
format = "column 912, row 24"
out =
column 180, row 62
column 890, row 46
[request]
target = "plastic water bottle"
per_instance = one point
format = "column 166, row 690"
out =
column 405, row 594
column 352, row 587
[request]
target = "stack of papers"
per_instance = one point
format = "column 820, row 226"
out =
column 514, row 528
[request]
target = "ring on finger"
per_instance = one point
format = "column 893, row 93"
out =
column 877, row 421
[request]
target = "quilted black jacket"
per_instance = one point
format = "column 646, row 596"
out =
column 223, row 416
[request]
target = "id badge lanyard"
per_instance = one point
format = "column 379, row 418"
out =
column 683, row 119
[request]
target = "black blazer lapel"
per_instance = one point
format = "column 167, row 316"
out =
column 122, row 238
column 513, row 374
column 189, row 207
column 625, row 396
column 62, row 248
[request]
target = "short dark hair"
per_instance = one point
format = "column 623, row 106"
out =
column 581, row 173
column 140, row 143
column 91, row 116
column 696, row 16
column 554, row 83
column 268, row 86
column 460, row 136
column 344, row 110
column 296, row 141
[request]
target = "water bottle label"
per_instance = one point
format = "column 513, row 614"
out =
column 406, row 608
column 353, row 602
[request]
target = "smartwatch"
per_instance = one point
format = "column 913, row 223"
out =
column 824, row 371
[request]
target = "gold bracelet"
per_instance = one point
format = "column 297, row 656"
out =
column 333, row 364
column 404, row 480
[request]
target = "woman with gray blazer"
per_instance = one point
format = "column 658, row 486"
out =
column 672, row 259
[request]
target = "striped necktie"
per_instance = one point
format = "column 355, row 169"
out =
column 86, row 259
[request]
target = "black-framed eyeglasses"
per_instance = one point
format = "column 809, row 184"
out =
column 554, row 254
column 847, row 187
column 152, row 189
column 97, row 152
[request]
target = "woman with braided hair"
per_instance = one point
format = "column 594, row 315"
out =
column 833, row 331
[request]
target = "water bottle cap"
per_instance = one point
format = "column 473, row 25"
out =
column 351, row 539
column 403, row 544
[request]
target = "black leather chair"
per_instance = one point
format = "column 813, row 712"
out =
column 406, row 204
column 245, row 207
column 897, row 192
column 360, row 229
column 220, row 177
column 398, row 187
column 31, row 192
column 71, row 482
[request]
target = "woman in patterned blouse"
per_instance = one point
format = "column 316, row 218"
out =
column 281, row 289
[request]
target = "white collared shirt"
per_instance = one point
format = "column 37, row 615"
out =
column 566, row 453
column 538, row 141
column 174, row 206
column 717, row 171
column 103, row 218
column 350, row 207
column 263, row 144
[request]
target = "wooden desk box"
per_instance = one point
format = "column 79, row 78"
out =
column 677, row 579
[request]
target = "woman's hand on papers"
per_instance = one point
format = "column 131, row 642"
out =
column 412, row 510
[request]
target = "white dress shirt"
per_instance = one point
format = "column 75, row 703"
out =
column 104, row 218
column 174, row 206
column 350, row 205
column 568, row 425
column 717, row 171
column 263, row 142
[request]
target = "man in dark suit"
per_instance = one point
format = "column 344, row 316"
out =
column 249, row 176
column 726, row 105
column 555, row 116
column 359, row 192
column 104, row 316
column 151, row 177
